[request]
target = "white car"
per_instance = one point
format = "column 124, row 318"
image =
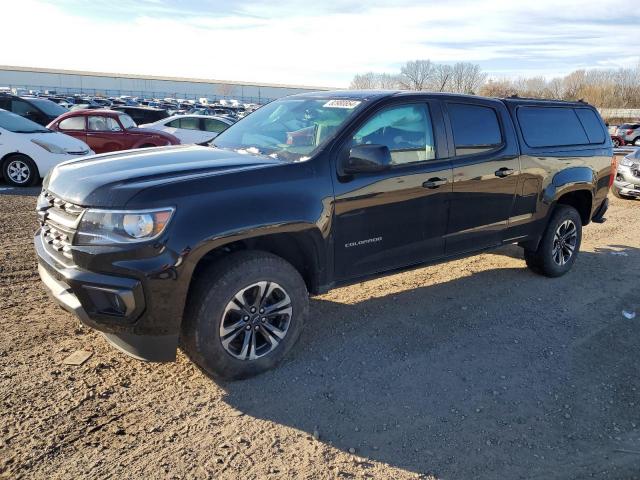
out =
column 28, row 150
column 191, row 128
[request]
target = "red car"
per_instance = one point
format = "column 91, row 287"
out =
column 109, row 131
column 617, row 141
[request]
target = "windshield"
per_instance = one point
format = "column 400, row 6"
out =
column 127, row 122
column 48, row 107
column 289, row 129
column 17, row 124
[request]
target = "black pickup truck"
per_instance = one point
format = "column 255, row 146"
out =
column 219, row 247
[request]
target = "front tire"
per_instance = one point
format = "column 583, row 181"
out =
column 560, row 244
column 20, row 171
column 244, row 314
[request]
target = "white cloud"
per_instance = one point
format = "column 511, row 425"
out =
column 323, row 45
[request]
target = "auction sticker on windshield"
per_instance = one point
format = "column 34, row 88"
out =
column 342, row 104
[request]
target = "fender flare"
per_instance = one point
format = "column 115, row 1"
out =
column 308, row 235
column 569, row 180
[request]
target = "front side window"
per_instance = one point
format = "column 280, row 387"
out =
column 406, row 130
column 126, row 121
column 290, row 129
column 475, row 128
column 72, row 123
column 112, row 124
column 97, row 124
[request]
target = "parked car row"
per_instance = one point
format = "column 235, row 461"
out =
column 169, row 106
column 86, row 129
column 28, row 150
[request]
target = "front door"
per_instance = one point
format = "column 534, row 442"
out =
column 104, row 134
column 486, row 168
column 397, row 217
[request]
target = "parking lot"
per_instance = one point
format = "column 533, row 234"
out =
column 476, row 368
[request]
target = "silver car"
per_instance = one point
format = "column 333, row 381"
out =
column 629, row 133
column 627, row 181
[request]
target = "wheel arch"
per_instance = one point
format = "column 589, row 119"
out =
column 574, row 187
column 303, row 248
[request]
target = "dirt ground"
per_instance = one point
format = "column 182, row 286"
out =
column 474, row 369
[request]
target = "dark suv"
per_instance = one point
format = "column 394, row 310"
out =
column 39, row 110
column 219, row 246
column 142, row 115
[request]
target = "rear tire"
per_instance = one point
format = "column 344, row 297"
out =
column 560, row 244
column 20, row 171
column 244, row 314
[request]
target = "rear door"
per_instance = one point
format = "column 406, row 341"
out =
column 486, row 168
column 397, row 217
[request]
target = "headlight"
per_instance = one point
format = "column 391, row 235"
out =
column 627, row 162
column 49, row 147
column 103, row 227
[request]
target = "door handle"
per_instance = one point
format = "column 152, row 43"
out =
column 434, row 182
column 504, row 172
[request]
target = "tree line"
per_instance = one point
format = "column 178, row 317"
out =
column 603, row 88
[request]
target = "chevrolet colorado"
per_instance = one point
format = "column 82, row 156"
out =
column 218, row 247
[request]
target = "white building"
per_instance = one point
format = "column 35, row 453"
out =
column 115, row 84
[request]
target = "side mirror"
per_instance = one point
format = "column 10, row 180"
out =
column 367, row 159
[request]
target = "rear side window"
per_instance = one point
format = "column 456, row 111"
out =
column 188, row 123
column 475, row 128
column 559, row 126
column 72, row 123
column 591, row 124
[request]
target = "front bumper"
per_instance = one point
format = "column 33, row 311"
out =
column 626, row 182
column 89, row 296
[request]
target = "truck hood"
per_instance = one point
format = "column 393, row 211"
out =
column 111, row 179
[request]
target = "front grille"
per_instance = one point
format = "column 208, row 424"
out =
column 59, row 222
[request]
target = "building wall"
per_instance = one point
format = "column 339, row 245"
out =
column 63, row 81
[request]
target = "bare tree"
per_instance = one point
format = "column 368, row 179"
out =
column 498, row 88
column 441, row 77
column 466, row 78
column 364, row 81
column 388, row 81
column 600, row 87
column 416, row 75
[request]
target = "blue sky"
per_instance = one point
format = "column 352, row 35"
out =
column 318, row 43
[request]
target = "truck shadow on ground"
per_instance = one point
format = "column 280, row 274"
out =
column 490, row 374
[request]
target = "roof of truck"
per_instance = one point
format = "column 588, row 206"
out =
column 371, row 94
